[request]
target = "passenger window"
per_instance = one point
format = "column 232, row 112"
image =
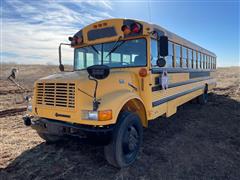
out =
column 199, row 61
column 215, row 63
column 184, row 57
column 169, row 62
column 211, row 62
column 178, row 54
column 203, row 61
column 194, row 59
column 190, row 58
column 207, row 62
column 154, row 52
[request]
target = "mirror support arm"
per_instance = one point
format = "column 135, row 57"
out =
column 61, row 67
column 95, row 100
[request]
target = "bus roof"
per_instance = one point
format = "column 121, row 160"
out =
column 179, row 40
column 171, row 36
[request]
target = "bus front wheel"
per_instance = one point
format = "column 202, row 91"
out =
column 126, row 141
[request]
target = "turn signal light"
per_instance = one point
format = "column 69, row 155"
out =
column 104, row 115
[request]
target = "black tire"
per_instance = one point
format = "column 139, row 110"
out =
column 126, row 140
column 49, row 138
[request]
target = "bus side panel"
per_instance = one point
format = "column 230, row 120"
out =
column 182, row 88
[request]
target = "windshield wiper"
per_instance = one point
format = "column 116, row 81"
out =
column 95, row 49
column 115, row 46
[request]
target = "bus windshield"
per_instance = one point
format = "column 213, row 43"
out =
column 126, row 53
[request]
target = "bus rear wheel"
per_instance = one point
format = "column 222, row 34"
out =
column 126, row 141
column 203, row 98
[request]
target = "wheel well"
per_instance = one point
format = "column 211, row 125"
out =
column 136, row 106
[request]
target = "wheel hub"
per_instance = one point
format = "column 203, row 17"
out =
column 131, row 140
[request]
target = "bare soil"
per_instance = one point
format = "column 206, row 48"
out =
column 199, row 142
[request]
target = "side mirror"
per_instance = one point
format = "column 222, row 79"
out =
column 61, row 67
column 163, row 46
column 98, row 71
column 161, row 62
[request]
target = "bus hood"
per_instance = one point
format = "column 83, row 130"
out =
column 117, row 80
column 74, row 75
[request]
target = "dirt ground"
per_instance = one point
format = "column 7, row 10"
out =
column 199, row 142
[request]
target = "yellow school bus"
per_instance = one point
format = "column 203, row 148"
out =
column 125, row 73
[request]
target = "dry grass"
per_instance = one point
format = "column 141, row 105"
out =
column 199, row 142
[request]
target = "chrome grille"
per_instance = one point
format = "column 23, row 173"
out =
column 56, row 94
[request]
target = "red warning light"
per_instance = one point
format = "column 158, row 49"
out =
column 135, row 28
column 79, row 40
column 76, row 40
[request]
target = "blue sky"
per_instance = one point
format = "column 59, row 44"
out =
column 32, row 30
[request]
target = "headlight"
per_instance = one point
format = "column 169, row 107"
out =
column 29, row 105
column 89, row 115
column 97, row 115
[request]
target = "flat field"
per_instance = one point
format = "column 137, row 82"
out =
column 199, row 142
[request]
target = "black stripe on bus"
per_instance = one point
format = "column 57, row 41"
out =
column 159, row 87
column 179, row 70
column 199, row 74
column 164, row 100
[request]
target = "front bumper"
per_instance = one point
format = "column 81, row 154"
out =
column 57, row 127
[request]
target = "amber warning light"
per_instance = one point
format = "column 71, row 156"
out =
column 143, row 72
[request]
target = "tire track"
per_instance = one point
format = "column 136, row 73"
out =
column 12, row 112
